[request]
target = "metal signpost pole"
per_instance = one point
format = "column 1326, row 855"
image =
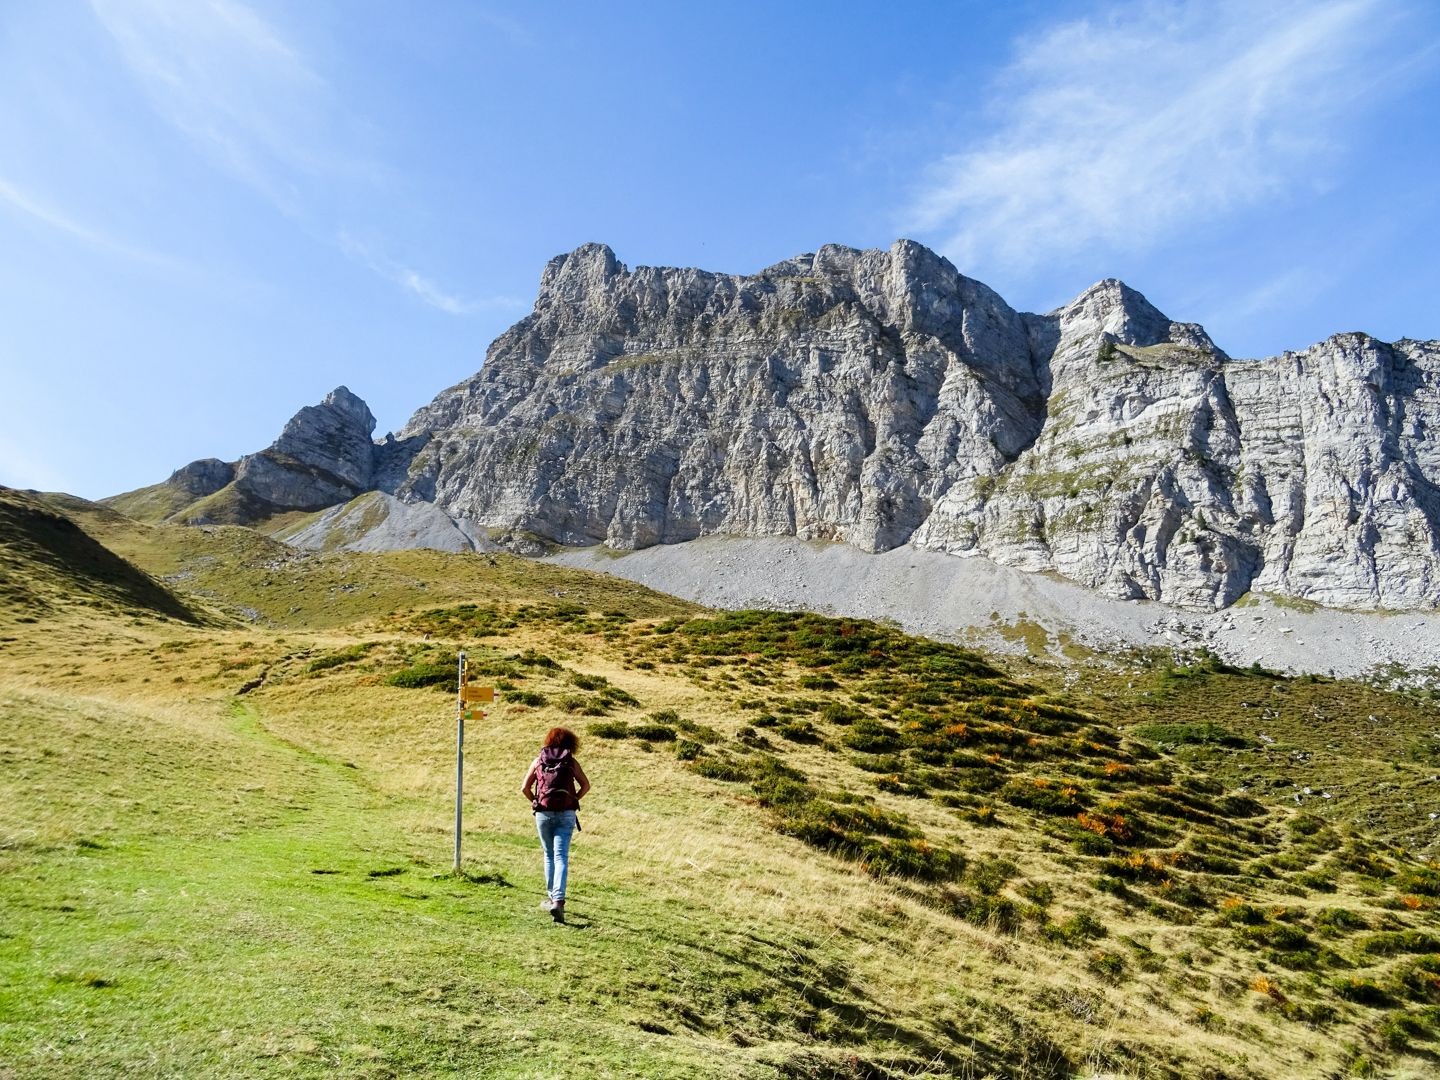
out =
column 459, row 754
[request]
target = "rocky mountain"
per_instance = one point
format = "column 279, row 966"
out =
column 325, row 456
column 882, row 398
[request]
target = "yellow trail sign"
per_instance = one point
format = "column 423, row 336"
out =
column 471, row 714
column 484, row 694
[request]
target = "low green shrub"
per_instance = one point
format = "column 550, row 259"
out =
column 799, row 731
column 1419, row 980
column 1076, row 930
column 870, row 736
column 837, row 713
column 1400, row 941
column 1200, row 734
column 341, row 656
column 990, row 875
column 418, row 676
column 1044, row 796
column 748, row 736
column 1337, row 920
column 1279, row 936
column 999, row 914
column 614, row 729
column 910, row 859
column 1038, row 893
column 1420, row 881
column 531, row 658
column 720, row 768
column 1361, row 991
column 701, row 733
column 1108, row 965
column 1399, row 1028
column 1321, row 881
column 613, row 695
column 898, row 785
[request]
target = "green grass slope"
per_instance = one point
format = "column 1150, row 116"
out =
column 816, row 847
column 48, row 562
column 1355, row 753
column 152, row 504
column 260, row 581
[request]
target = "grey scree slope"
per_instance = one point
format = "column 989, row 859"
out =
column 974, row 600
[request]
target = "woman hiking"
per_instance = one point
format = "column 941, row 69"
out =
column 555, row 785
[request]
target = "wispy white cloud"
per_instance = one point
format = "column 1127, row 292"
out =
column 418, row 284
column 1286, row 290
column 254, row 105
column 33, row 209
column 1121, row 130
column 512, row 29
column 227, row 80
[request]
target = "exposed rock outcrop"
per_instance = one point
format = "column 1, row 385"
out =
column 334, row 436
column 324, row 456
column 203, row 477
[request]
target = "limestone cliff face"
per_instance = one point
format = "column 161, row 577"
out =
column 834, row 396
column 881, row 397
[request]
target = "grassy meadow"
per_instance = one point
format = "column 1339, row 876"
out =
column 815, row 848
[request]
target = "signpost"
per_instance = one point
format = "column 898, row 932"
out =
column 459, row 757
column 467, row 698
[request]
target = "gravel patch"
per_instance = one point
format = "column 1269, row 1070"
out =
column 380, row 522
column 975, row 600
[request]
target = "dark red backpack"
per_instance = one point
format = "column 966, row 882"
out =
column 555, row 781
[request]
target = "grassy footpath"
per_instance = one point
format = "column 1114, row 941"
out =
column 206, row 900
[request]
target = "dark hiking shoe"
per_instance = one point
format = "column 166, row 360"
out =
column 557, row 911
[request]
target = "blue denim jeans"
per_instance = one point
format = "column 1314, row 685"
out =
column 555, row 827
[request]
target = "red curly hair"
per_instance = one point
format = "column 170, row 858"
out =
column 562, row 738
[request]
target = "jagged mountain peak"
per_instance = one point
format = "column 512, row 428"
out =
column 323, row 456
column 1114, row 308
column 880, row 397
column 593, row 265
column 334, row 435
column 577, row 273
column 349, row 405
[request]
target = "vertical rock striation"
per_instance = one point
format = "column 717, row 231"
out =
column 833, row 396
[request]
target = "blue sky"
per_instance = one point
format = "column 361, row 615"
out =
column 214, row 211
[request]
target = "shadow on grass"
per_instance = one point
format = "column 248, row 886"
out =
column 472, row 877
column 757, row 973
